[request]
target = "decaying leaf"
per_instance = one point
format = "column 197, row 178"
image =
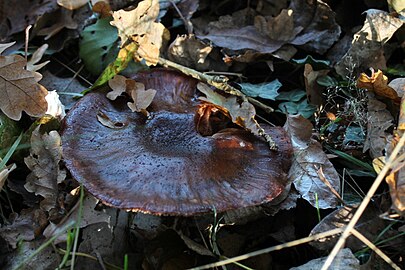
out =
column 379, row 120
column 345, row 259
column 45, row 155
column 19, row 90
column 309, row 162
column 118, row 85
column 89, row 216
column 377, row 83
column 314, row 90
column 369, row 225
column 268, row 90
column 367, row 46
column 139, row 25
column 25, row 226
column 142, row 98
column 396, row 178
column 36, row 57
column 64, row 20
column 188, row 51
column 242, row 114
column 309, row 24
column 5, row 46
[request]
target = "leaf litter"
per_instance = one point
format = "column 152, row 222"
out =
column 252, row 46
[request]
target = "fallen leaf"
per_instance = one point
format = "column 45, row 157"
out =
column 314, row 90
column 309, row 158
column 36, row 57
column 89, row 216
column 377, row 83
column 16, row 15
column 5, row 46
column 142, row 98
column 19, row 89
column 97, row 47
column 268, row 90
column 242, row 114
column 301, row 107
column 370, row 225
column 396, row 178
column 367, row 45
column 24, row 226
column 188, row 51
column 345, row 259
column 379, row 120
column 118, row 86
column 45, row 155
column 139, row 25
column 64, row 20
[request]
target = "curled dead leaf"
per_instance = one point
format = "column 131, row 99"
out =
column 19, row 89
column 377, row 83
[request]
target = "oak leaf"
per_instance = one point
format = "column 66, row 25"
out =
column 19, row 89
column 139, row 26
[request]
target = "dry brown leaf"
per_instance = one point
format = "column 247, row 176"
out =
column 142, row 98
column 25, row 226
column 188, row 51
column 19, row 90
column 396, row 179
column 5, row 46
column 36, row 57
column 64, row 20
column 139, row 25
column 309, row 158
column 379, row 120
column 242, row 114
column 377, row 83
column 89, row 216
column 118, row 86
column 314, row 90
column 367, row 45
column 45, row 155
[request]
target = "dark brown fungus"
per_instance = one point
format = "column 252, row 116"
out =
column 163, row 165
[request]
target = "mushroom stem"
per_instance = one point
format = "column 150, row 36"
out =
column 221, row 82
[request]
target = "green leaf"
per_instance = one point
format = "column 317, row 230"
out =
column 266, row 90
column 316, row 64
column 327, row 81
column 294, row 95
column 301, row 107
column 99, row 45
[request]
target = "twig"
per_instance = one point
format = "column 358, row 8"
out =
column 363, row 204
column 186, row 23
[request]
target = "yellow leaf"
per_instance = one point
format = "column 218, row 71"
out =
column 139, row 26
column 377, row 83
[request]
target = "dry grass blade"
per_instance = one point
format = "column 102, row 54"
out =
column 378, row 251
column 270, row 249
column 364, row 204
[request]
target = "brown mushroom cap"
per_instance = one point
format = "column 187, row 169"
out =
column 164, row 166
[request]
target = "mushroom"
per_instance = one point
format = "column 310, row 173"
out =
column 162, row 165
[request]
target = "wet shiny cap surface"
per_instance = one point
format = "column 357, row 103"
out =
column 163, row 166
